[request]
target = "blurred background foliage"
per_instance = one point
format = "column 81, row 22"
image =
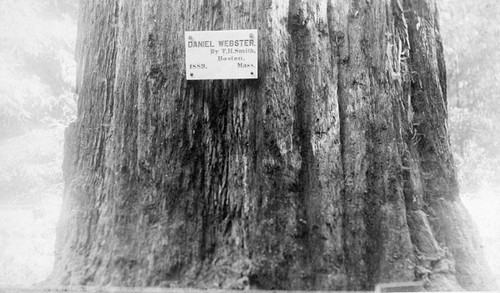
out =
column 37, row 100
column 37, row 82
column 37, row 40
column 471, row 35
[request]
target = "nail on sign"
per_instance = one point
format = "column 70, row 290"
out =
column 230, row 54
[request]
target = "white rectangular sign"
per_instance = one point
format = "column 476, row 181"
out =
column 228, row 54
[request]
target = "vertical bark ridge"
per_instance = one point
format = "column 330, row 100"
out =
column 275, row 252
column 377, row 238
column 87, row 141
column 447, row 216
column 118, row 225
column 353, row 85
column 316, row 132
column 392, row 257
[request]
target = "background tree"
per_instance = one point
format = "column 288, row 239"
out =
column 333, row 170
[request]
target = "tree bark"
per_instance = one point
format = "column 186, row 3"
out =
column 331, row 171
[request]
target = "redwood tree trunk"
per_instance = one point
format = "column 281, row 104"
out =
column 333, row 170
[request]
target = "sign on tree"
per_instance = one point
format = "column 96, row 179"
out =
column 229, row 54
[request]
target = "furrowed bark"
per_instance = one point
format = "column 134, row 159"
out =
column 332, row 171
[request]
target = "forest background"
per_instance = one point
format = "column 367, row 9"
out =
column 38, row 100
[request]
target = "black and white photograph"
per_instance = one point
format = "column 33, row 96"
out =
column 212, row 146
